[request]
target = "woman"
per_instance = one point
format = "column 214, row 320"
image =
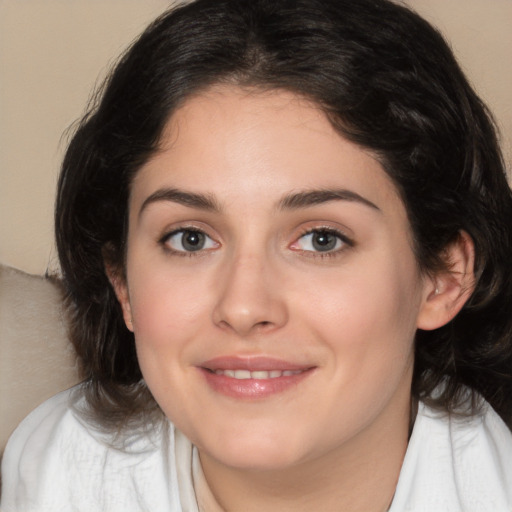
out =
column 285, row 236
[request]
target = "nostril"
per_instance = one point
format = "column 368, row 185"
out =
column 263, row 324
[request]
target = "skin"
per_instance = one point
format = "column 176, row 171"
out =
column 259, row 287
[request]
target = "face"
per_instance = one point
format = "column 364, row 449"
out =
column 271, row 284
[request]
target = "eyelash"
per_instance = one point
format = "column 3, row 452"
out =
column 164, row 241
column 340, row 236
column 346, row 242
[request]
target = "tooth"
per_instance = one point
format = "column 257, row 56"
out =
column 258, row 374
column 262, row 374
column 242, row 374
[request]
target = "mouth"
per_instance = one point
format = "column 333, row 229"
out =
column 259, row 374
column 253, row 378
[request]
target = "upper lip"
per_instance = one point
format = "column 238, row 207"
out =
column 254, row 363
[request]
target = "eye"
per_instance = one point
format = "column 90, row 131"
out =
column 321, row 240
column 189, row 240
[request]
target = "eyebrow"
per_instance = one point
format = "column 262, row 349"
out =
column 307, row 198
column 294, row 201
column 199, row 201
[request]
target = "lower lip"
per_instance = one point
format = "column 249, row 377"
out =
column 253, row 388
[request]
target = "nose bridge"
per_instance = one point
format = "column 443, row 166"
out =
column 249, row 297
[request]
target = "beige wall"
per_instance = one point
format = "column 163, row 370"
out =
column 53, row 51
column 51, row 55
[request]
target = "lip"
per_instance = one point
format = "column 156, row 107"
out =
column 251, row 363
column 252, row 388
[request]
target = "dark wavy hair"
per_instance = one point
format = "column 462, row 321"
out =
column 387, row 81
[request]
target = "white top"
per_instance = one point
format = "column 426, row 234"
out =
column 53, row 463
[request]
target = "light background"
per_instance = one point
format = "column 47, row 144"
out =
column 53, row 52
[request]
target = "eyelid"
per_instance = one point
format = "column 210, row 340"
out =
column 346, row 241
column 185, row 225
column 169, row 233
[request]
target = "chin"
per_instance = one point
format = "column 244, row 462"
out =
column 260, row 452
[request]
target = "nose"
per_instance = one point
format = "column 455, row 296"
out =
column 250, row 297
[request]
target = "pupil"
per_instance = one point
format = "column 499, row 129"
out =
column 324, row 241
column 193, row 240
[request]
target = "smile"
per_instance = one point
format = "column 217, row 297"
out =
column 259, row 374
column 253, row 378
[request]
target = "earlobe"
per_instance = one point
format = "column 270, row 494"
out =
column 446, row 292
column 120, row 287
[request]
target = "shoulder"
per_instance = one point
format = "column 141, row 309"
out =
column 33, row 436
column 55, row 460
column 457, row 463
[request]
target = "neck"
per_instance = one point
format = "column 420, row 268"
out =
column 360, row 476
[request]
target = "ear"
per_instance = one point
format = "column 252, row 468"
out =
column 447, row 291
column 118, row 282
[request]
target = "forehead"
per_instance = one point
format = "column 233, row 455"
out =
column 236, row 142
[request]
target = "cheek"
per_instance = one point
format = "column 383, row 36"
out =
column 171, row 313
column 365, row 314
column 164, row 302
column 167, row 316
